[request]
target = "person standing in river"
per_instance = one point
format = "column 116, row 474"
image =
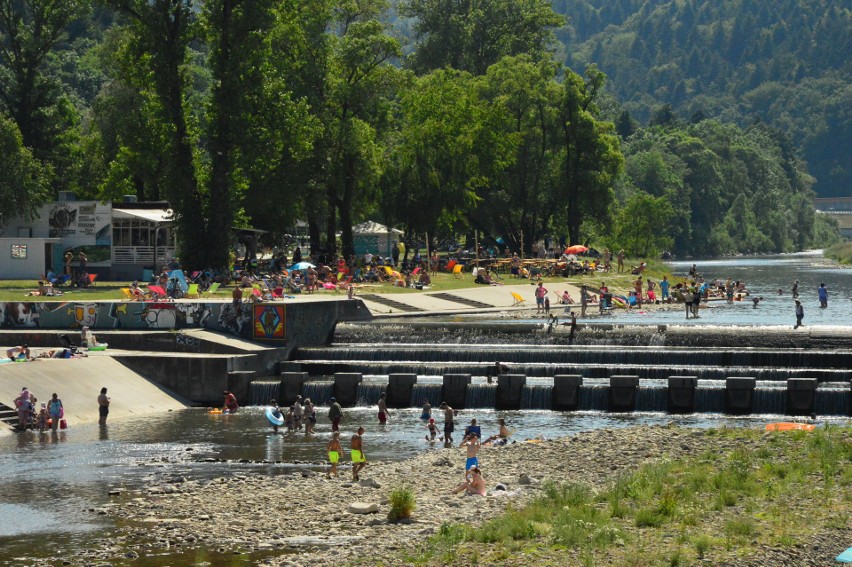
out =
column 335, row 412
column 103, row 406
column 800, row 314
column 795, row 289
column 383, row 409
column 449, row 426
column 823, row 296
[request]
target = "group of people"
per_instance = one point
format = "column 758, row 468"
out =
column 51, row 414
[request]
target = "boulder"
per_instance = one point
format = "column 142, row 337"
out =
column 363, row 508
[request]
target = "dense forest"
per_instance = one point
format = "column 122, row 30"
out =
column 783, row 62
column 612, row 123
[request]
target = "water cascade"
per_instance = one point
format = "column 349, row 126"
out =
column 369, row 393
column 319, row 391
column 537, row 397
column 261, row 391
column 480, row 396
column 431, row 392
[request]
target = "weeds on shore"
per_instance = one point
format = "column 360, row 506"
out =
column 675, row 512
column 401, row 504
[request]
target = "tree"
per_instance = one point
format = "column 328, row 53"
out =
column 29, row 31
column 472, row 35
column 162, row 31
column 24, row 183
column 592, row 159
column 644, row 225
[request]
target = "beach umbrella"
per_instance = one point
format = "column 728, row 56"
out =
column 575, row 249
column 302, row 266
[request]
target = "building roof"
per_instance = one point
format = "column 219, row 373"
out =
column 372, row 227
column 152, row 215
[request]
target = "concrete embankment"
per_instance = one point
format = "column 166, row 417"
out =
column 78, row 383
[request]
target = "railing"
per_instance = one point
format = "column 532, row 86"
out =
column 141, row 254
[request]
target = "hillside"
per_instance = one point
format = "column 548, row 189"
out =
column 784, row 62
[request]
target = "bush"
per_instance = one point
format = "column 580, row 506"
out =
column 401, row 504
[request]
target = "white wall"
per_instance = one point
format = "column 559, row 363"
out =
column 29, row 268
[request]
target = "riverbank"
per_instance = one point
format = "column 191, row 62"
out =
column 304, row 519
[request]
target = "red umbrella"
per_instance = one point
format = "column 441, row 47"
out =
column 575, row 249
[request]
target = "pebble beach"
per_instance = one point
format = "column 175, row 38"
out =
column 303, row 518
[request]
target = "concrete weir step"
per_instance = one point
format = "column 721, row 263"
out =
column 389, row 302
column 462, row 300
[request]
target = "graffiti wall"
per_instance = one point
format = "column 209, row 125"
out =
column 220, row 316
column 277, row 323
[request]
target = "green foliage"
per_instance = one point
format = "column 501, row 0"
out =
column 781, row 62
column 402, row 503
column 24, row 181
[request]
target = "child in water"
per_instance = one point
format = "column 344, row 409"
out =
column 290, row 420
column 41, row 419
column 433, row 430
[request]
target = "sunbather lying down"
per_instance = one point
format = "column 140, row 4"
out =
column 61, row 353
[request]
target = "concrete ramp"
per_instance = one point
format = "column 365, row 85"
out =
column 78, row 383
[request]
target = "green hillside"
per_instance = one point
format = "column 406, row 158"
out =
column 784, row 62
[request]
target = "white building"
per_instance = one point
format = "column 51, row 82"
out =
column 121, row 239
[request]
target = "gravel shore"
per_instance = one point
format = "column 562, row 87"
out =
column 304, row 518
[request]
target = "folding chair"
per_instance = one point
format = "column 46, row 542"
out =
column 128, row 295
column 210, row 290
column 518, row 299
column 92, row 278
column 192, row 291
column 457, row 271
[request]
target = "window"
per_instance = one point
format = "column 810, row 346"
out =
column 19, row 251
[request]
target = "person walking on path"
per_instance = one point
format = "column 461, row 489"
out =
column 449, row 427
column 540, row 293
column 335, row 412
column 356, row 446
column 334, row 450
column 800, row 314
column 823, row 296
column 56, row 411
column 384, row 414
column 103, row 406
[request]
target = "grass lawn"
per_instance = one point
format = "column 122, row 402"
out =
column 17, row 290
column 774, row 491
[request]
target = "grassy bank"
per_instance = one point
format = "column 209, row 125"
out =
column 17, row 290
column 841, row 252
column 772, row 491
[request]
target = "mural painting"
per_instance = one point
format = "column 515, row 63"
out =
column 269, row 322
column 221, row 317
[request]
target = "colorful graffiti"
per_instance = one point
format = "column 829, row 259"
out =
column 269, row 322
column 224, row 317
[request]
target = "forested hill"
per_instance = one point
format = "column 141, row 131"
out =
column 784, row 62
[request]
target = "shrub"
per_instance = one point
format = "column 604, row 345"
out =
column 401, row 504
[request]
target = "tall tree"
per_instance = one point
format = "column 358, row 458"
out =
column 472, row 35
column 24, row 182
column 163, row 30
column 592, row 157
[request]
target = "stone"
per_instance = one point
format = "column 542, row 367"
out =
column 369, row 483
column 363, row 508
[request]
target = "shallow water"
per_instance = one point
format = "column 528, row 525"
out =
column 763, row 276
column 73, row 470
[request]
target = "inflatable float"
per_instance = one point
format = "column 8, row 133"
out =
column 789, row 426
column 215, row 411
column 99, row 346
column 274, row 416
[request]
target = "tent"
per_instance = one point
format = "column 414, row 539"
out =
column 375, row 238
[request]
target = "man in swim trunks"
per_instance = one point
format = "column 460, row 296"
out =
column 103, row 406
column 383, row 409
column 359, row 461
column 297, row 413
column 449, row 427
column 334, row 450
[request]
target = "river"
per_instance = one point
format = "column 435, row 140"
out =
column 52, row 482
